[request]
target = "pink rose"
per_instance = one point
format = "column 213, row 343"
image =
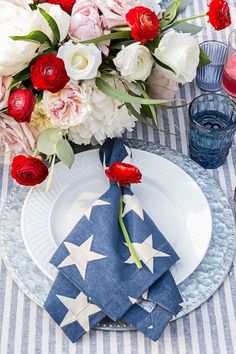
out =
column 159, row 86
column 86, row 23
column 4, row 91
column 66, row 108
column 17, row 138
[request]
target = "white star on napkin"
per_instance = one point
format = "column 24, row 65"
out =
column 146, row 253
column 80, row 255
column 79, row 309
column 132, row 204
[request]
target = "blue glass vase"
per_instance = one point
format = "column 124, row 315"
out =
column 209, row 76
column 212, row 129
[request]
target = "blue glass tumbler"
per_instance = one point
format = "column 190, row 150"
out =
column 212, row 129
column 209, row 76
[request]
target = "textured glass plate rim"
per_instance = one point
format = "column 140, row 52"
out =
column 221, row 211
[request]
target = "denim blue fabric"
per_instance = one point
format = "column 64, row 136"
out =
column 95, row 260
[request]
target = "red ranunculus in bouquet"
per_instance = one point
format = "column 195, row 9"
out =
column 82, row 71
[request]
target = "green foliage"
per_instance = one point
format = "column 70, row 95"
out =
column 48, row 140
column 123, row 97
column 35, row 36
column 170, row 14
column 52, row 23
column 203, row 59
column 65, row 152
column 187, row 28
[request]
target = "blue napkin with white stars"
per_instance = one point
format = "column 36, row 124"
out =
column 97, row 275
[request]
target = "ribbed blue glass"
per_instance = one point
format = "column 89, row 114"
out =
column 212, row 129
column 209, row 77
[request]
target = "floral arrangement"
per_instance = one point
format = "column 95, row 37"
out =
column 85, row 70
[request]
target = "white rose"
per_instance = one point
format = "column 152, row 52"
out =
column 16, row 20
column 81, row 61
column 61, row 17
column 134, row 62
column 181, row 52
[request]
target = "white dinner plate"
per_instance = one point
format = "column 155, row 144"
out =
column 169, row 195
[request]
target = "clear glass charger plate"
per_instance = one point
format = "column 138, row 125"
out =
column 196, row 289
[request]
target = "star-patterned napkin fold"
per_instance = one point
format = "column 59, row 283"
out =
column 96, row 261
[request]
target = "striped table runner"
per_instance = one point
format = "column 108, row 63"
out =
column 26, row 328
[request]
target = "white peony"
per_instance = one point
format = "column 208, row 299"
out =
column 16, row 20
column 134, row 62
column 181, row 52
column 22, row 3
column 81, row 61
column 115, row 10
column 106, row 116
column 61, row 17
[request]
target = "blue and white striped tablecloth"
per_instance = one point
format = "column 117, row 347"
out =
column 27, row 329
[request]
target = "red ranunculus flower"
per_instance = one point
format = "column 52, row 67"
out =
column 21, row 105
column 28, row 171
column 48, row 73
column 144, row 24
column 123, row 173
column 66, row 5
column 219, row 14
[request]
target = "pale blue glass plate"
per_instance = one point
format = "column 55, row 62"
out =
column 196, row 289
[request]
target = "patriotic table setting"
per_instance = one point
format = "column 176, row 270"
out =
column 114, row 236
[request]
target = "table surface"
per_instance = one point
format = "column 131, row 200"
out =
column 26, row 328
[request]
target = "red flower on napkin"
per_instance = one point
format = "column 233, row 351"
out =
column 28, row 171
column 21, row 105
column 48, row 73
column 123, row 173
column 66, row 5
column 144, row 24
column 219, row 14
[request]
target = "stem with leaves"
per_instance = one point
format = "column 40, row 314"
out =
column 178, row 22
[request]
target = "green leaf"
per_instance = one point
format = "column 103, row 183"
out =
column 182, row 6
column 152, row 45
column 187, row 28
column 34, row 36
column 21, row 76
column 170, row 14
column 203, row 59
column 124, row 97
column 163, row 65
column 106, row 37
column 145, row 95
column 50, row 175
column 139, row 116
column 48, row 139
column 52, row 23
column 65, row 152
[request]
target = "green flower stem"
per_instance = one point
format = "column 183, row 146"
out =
column 182, row 21
column 127, row 238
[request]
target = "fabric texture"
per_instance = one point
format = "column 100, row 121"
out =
column 96, row 260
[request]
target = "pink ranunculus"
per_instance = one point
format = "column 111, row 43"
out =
column 4, row 91
column 115, row 11
column 16, row 137
column 159, row 86
column 87, row 23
